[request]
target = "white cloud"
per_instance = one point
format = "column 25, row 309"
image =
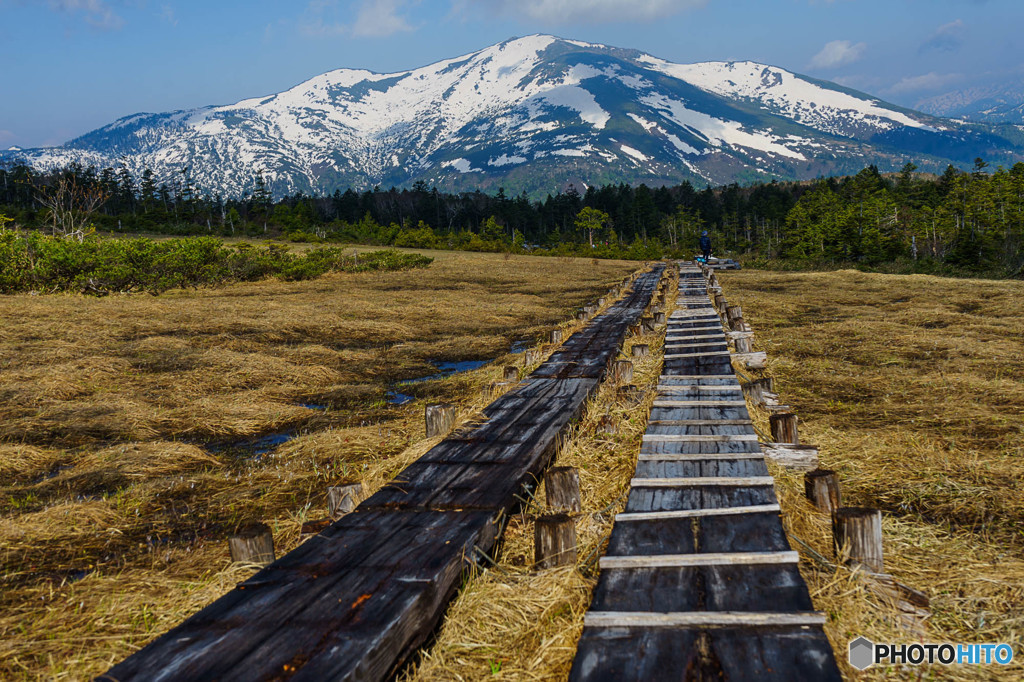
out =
column 373, row 18
column 582, row 11
column 928, row 81
column 380, row 18
column 838, row 53
column 947, row 38
column 98, row 13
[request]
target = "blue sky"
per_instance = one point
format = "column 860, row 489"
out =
column 73, row 65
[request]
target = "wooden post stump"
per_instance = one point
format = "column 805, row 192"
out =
column 757, row 389
column 737, row 324
column 531, row 357
column 438, row 418
column 659, row 318
column 511, row 373
column 554, row 541
column 253, row 544
column 648, row 323
column 640, row 349
column 744, row 346
column 720, row 304
column 634, row 330
column 822, row 488
column 622, row 370
column 857, row 534
column 342, row 499
column 600, row 302
column 783, row 427
column 562, row 485
column 733, row 311
column 556, row 336
column 581, row 316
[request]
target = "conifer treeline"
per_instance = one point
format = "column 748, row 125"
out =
column 972, row 220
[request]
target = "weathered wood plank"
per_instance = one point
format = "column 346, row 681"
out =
column 696, row 513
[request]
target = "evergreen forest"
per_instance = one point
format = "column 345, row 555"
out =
column 961, row 222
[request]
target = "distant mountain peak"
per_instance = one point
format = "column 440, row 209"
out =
column 530, row 113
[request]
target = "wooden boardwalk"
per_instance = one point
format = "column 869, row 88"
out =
column 699, row 581
column 354, row 601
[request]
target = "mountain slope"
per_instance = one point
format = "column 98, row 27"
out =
column 534, row 114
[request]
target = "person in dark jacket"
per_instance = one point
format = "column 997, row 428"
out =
column 705, row 245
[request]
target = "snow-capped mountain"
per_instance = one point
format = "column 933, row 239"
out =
column 1000, row 102
column 533, row 113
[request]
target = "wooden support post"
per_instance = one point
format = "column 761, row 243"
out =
column 822, row 488
column 622, row 371
column 253, row 544
column 648, row 323
column 857, row 534
column 783, row 427
column 659, row 318
column 634, row 330
column 600, row 302
column 342, row 499
column 562, row 485
column 531, row 357
column 758, row 390
column 438, row 418
column 581, row 316
column 640, row 349
column 554, row 541
column 737, row 324
column 511, row 373
column 720, row 304
column 556, row 336
column 744, row 346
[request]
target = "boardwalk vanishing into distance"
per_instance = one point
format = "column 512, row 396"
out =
column 353, row 602
column 699, row 581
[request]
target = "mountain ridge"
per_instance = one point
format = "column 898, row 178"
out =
column 532, row 114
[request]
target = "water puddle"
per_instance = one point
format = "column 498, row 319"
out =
column 396, row 398
column 313, row 406
column 519, row 347
column 447, row 369
column 252, row 447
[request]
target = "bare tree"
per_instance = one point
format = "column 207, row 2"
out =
column 70, row 205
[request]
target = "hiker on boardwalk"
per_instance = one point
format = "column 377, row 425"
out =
column 705, row 245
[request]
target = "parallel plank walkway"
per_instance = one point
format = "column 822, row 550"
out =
column 353, row 602
column 699, row 581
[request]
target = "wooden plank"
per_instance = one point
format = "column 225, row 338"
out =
column 669, row 356
column 765, row 654
column 701, row 619
column 731, row 465
column 705, row 497
column 730, row 377
column 699, row 403
column 700, row 422
column 696, row 513
column 700, row 481
column 709, row 559
column 697, row 438
column 698, row 457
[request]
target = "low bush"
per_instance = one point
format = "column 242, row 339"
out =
column 37, row 262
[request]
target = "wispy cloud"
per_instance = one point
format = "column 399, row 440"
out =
column 97, row 13
column 947, row 38
column 373, row 18
column 924, row 82
column 167, row 15
column 838, row 53
column 580, row 11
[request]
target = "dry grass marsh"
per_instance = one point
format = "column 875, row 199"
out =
column 129, row 429
column 913, row 388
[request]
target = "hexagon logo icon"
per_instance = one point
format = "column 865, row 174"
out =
column 862, row 653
